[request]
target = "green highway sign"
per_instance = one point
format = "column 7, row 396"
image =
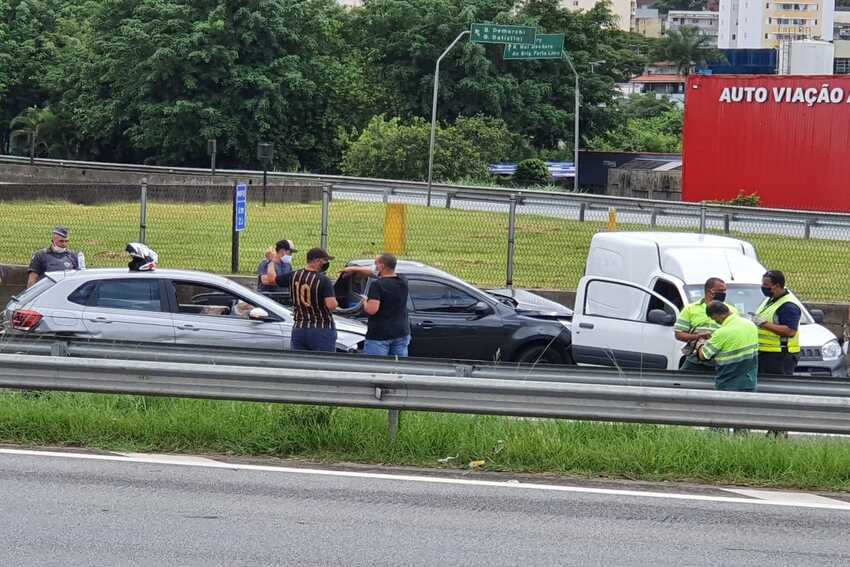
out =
column 498, row 33
column 546, row 46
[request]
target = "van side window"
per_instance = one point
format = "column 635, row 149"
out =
column 669, row 292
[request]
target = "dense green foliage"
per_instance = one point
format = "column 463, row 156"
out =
column 152, row 80
column 390, row 149
column 645, row 124
column 531, row 172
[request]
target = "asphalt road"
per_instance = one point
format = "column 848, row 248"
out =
column 76, row 511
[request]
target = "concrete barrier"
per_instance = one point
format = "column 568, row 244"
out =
column 96, row 194
column 13, row 279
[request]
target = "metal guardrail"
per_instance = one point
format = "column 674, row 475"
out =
column 110, row 350
column 397, row 391
column 377, row 186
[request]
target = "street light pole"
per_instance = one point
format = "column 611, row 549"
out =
column 575, row 126
column 434, row 112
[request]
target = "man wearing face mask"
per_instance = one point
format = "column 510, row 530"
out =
column 695, row 326
column 55, row 258
column 388, row 332
column 277, row 265
column 313, row 300
column 778, row 320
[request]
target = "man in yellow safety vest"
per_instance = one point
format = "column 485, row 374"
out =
column 778, row 320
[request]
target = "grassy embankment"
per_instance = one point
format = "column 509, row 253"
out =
column 550, row 252
column 617, row 451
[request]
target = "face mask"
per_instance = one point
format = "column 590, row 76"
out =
column 324, row 267
column 767, row 291
column 720, row 296
column 58, row 249
column 287, row 259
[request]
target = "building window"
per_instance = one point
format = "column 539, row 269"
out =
column 842, row 66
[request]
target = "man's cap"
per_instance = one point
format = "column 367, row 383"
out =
column 61, row 231
column 318, row 254
column 286, row 245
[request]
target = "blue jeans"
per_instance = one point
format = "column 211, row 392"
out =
column 388, row 347
column 316, row 340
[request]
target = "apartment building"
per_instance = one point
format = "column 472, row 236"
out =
column 706, row 22
column 751, row 24
column 623, row 9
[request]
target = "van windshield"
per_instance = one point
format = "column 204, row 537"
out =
column 746, row 298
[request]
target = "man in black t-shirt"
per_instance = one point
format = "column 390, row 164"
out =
column 313, row 301
column 388, row 331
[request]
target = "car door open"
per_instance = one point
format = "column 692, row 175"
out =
column 625, row 325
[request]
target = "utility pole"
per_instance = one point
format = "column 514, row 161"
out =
column 576, row 125
column 434, row 112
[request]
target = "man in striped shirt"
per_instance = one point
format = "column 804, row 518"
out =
column 313, row 301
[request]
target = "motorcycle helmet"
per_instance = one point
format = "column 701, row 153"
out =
column 142, row 258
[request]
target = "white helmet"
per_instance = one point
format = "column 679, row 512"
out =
column 143, row 259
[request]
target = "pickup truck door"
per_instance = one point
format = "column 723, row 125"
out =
column 611, row 326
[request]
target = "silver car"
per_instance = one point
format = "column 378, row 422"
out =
column 160, row 306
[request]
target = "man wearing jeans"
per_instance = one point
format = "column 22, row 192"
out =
column 388, row 332
column 313, row 301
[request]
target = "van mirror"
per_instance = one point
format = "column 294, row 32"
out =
column 817, row 315
column 661, row 317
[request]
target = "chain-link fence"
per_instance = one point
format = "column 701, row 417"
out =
column 465, row 232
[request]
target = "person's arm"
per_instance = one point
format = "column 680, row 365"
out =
column 789, row 321
column 373, row 299
column 36, row 270
column 709, row 349
column 362, row 270
column 270, row 275
column 682, row 330
column 327, row 292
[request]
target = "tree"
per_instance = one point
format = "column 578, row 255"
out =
column 34, row 125
column 687, row 48
column 644, row 106
column 661, row 133
column 396, row 150
column 531, row 173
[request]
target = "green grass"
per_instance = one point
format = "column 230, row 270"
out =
column 133, row 423
column 550, row 253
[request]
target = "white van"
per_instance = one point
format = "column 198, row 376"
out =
column 635, row 283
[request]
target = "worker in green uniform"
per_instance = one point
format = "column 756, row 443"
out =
column 734, row 347
column 694, row 325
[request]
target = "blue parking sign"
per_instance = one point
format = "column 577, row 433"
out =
column 241, row 206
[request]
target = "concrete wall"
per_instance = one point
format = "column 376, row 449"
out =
column 98, row 193
column 645, row 184
column 13, row 280
column 22, row 173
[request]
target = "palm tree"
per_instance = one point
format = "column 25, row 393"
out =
column 687, row 48
column 34, row 124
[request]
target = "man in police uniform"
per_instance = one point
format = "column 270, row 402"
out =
column 733, row 347
column 54, row 258
column 778, row 320
column 694, row 325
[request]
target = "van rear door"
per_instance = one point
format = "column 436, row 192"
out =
column 611, row 326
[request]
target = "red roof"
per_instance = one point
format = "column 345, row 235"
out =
column 659, row 79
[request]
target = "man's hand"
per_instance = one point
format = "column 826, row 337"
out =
column 271, row 255
column 703, row 335
column 356, row 270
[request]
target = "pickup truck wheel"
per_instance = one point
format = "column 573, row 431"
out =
column 535, row 353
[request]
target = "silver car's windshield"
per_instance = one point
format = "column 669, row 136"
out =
column 31, row 293
column 746, row 298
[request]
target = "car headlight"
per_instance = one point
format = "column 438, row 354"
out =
column 831, row 350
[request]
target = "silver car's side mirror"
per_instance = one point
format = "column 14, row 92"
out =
column 258, row 314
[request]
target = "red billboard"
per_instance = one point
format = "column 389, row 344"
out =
column 786, row 138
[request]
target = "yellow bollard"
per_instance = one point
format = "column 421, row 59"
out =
column 612, row 219
column 395, row 229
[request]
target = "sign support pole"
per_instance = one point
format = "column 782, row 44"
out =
column 576, row 125
column 234, row 239
column 434, row 112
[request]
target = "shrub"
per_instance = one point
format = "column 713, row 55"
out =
column 741, row 200
column 531, row 172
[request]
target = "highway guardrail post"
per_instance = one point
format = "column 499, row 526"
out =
column 727, row 222
column 807, row 229
column 582, row 209
column 702, row 211
column 511, row 241
column 143, row 211
column 326, row 205
column 653, row 218
column 394, row 423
